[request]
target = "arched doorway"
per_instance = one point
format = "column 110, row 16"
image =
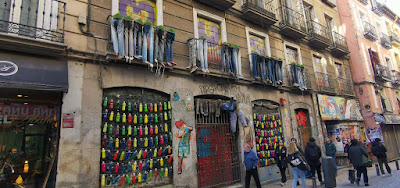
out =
column 303, row 126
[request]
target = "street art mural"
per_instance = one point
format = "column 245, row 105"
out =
column 257, row 44
column 353, row 110
column 212, row 32
column 146, row 10
column 184, row 145
column 374, row 134
column 332, row 108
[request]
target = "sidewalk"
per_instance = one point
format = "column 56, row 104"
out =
column 343, row 182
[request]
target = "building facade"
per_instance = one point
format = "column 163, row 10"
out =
column 147, row 79
column 373, row 59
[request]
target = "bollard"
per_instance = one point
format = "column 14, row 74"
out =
column 329, row 172
column 397, row 164
column 377, row 170
column 314, row 182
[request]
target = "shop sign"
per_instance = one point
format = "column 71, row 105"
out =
column 339, row 108
column 8, row 68
column 392, row 118
column 67, row 120
column 379, row 119
column 27, row 113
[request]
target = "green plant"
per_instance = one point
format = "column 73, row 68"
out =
column 302, row 66
column 202, row 37
column 118, row 15
column 148, row 23
column 138, row 20
column 128, row 18
column 161, row 27
column 171, row 30
column 190, row 38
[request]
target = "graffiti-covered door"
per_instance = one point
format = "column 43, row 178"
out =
column 218, row 161
column 304, row 126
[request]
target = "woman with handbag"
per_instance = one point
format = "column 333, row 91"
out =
column 359, row 159
column 298, row 163
column 280, row 155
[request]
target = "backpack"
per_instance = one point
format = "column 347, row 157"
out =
column 313, row 155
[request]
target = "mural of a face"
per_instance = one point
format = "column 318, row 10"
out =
column 144, row 9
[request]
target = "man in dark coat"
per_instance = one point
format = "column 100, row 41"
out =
column 355, row 156
column 330, row 150
column 379, row 150
column 313, row 155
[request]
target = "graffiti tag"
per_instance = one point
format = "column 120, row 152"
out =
column 227, row 90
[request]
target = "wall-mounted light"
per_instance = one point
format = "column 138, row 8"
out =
column 19, row 96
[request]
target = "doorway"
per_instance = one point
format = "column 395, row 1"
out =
column 304, row 126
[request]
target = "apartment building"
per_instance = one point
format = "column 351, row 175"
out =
column 144, row 82
column 373, row 61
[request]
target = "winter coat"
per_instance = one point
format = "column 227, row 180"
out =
column 313, row 154
column 355, row 155
column 330, row 149
column 379, row 150
column 250, row 160
column 296, row 154
column 346, row 148
column 280, row 157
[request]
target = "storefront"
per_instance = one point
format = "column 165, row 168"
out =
column 391, row 135
column 30, row 105
column 343, row 121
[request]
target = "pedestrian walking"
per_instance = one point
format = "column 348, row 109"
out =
column 299, row 148
column 352, row 177
column 251, row 162
column 298, row 163
column 379, row 150
column 313, row 155
column 281, row 155
column 330, row 150
column 356, row 155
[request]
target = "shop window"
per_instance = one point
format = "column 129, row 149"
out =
column 136, row 140
column 146, row 10
column 268, row 130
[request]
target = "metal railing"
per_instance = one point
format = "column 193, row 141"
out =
column 302, row 73
column 376, row 7
column 315, row 28
column 382, row 72
column 345, row 86
column 266, row 6
column 394, row 37
column 293, row 18
column 395, row 77
column 324, row 82
column 339, row 40
column 369, row 30
column 41, row 20
column 385, row 40
column 365, row 2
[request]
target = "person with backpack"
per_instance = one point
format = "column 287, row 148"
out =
column 298, row 163
column 280, row 156
column 330, row 150
column 356, row 155
column 379, row 150
column 313, row 155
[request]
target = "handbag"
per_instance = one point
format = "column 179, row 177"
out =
column 297, row 162
column 366, row 161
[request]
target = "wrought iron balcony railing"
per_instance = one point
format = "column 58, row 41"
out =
column 365, row 2
column 339, row 45
column 369, row 31
column 345, row 86
column 395, row 77
column 385, row 41
column 394, row 38
column 319, row 35
column 299, row 77
column 219, row 4
column 261, row 12
column 376, row 7
column 292, row 23
column 34, row 19
column 382, row 72
column 324, row 82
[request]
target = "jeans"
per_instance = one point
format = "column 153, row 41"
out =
column 170, row 52
column 278, row 71
column 239, row 64
column 363, row 170
column 140, row 38
column 192, row 52
column 159, row 45
column 202, row 53
column 126, row 38
column 136, row 27
column 283, row 174
column 254, row 59
column 382, row 161
column 254, row 173
column 293, row 69
column 223, row 57
column 117, row 36
column 318, row 169
column 300, row 78
column 263, row 69
column 130, row 34
column 296, row 173
column 147, row 33
column 234, row 60
column 271, row 71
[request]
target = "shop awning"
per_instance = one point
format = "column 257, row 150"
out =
column 18, row 70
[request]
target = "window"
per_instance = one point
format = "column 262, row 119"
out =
column 309, row 11
column 146, row 10
column 320, row 71
column 340, row 76
column 374, row 60
column 389, row 64
column 396, row 58
column 385, row 101
column 362, row 20
column 257, row 42
column 329, row 23
column 292, row 55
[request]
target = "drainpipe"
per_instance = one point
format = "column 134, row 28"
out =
column 87, row 32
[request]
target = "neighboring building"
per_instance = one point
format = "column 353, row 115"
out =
column 133, row 120
column 372, row 59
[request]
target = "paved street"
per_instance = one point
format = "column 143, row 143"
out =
column 343, row 182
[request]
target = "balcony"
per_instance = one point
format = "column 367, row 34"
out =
column 385, row 41
column 382, row 73
column 219, row 4
column 376, row 7
column 365, row 2
column 345, row 87
column 325, row 83
column 395, row 77
column 331, row 3
column 259, row 12
column 299, row 78
column 394, row 39
column 29, row 27
column 293, row 23
column 369, row 31
column 339, row 45
column 318, row 35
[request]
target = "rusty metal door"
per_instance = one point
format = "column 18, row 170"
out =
column 218, row 161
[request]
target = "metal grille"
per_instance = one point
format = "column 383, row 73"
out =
column 217, row 149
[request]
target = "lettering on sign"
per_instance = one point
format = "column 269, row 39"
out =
column 8, row 68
